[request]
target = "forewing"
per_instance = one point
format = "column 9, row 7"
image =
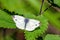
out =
column 32, row 24
column 19, row 21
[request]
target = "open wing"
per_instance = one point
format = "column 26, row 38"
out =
column 32, row 24
column 19, row 20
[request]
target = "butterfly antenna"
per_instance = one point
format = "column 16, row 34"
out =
column 41, row 7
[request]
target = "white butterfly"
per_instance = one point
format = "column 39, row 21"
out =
column 26, row 24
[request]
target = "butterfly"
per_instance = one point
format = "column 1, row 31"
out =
column 25, row 23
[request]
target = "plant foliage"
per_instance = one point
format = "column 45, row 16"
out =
column 29, row 9
column 52, row 37
column 6, row 20
column 39, row 31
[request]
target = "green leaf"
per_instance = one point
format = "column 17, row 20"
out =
column 39, row 31
column 53, row 18
column 52, row 15
column 29, row 8
column 57, row 2
column 6, row 20
column 52, row 37
column 21, row 6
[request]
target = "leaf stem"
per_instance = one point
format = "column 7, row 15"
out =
column 41, row 7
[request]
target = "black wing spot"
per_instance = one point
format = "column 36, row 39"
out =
column 16, row 19
column 36, row 25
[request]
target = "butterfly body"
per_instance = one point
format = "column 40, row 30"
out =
column 25, row 23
